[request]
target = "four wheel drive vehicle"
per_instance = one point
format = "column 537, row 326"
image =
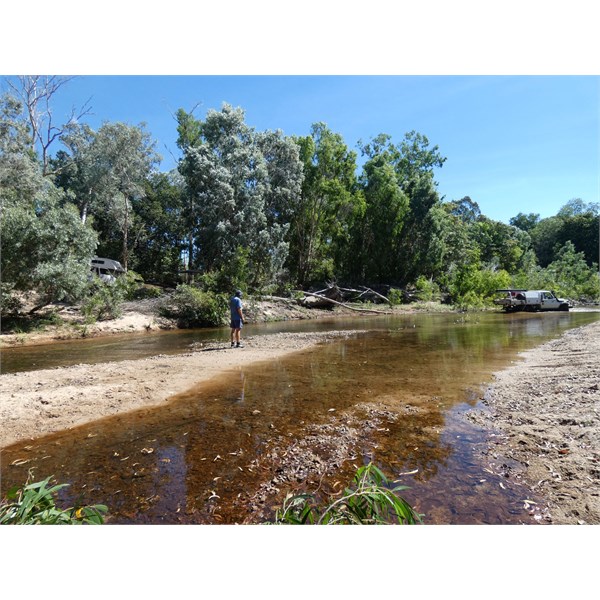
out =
column 106, row 268
column 530, row 300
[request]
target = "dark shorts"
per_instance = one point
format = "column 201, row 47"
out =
column 236, row 324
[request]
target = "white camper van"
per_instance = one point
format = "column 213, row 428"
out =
column 107, row 269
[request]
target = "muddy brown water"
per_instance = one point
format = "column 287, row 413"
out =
column 195, row 459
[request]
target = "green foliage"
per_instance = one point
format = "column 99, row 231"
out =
column 103, row 300
column 242, row 187
column 45, row 247
column 129, row 283
column 192, row 307
column 471, row 285
column 160, row 229
column 371, row 501
column 35, row 504
column 525, row 222
column 426, row 289
column 576, row 222
column 395, row 296
column 146, row 292
column 235, row 274
column 328, row 208
column 571, row 275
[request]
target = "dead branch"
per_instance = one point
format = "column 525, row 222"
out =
column 378, row 295
column 379, row 312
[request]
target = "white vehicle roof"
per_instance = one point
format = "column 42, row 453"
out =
column 107, row 263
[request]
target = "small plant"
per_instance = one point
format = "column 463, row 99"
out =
column 34, row 504
column 395, row 296
column 369, row 502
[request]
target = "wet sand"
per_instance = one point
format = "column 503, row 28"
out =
column 547, row 408
column 36, row 403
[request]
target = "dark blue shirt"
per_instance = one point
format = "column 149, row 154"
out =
column 234, row 304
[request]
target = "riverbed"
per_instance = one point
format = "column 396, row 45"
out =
column 218, row 435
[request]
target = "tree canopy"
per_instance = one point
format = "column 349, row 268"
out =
column 258, row 210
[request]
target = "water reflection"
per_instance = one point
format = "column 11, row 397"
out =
column 200, row 457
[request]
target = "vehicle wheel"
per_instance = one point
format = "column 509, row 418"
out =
column 563, row 307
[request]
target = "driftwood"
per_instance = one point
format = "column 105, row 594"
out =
column 364, row 291
column 370, row 291
column 325, row 299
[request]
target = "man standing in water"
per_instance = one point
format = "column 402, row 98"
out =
column 237, row 319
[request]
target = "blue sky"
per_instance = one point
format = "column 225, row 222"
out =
column 513, row 143
column 483, row 81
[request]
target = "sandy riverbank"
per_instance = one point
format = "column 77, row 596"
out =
column 36, row 403
column 547, row 408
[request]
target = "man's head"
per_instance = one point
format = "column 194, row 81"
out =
column 238, row 293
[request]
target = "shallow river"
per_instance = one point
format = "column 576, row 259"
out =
column 191, row 461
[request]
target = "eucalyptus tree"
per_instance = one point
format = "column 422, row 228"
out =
column 105, row 171
column 329, row 206
column 525, row 222
column 465, row 209
column 19, row 169
column 45, row 246
column 36, row 93
column 412, row 161
column 382, row 227
column 581, row 226
column 159, row 232
column 576, row 222
column 241, row 188
column 500, row 245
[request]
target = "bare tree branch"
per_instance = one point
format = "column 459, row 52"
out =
column 36, row 92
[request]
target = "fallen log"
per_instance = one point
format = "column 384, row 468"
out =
column 324, row 298
column 369, row 290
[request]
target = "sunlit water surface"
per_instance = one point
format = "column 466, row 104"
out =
column 190, row 460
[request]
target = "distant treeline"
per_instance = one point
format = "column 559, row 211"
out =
column 258, row 210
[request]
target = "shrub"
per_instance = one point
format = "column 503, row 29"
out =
column 130, row 283
column 395, row 296
column 192, row 307
column 425, row 289
column 147, row 293
column 103, row 300
column 34, row 504
column 370, row 501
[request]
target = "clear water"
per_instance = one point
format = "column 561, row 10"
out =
column 194, row 459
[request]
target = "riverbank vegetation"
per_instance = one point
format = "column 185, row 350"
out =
column 371, row 500
column 35, row 504
column 257, row 210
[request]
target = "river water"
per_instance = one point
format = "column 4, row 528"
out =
column 197, row 458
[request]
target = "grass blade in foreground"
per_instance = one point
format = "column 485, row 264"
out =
column 34, row 504
column 369, row 502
